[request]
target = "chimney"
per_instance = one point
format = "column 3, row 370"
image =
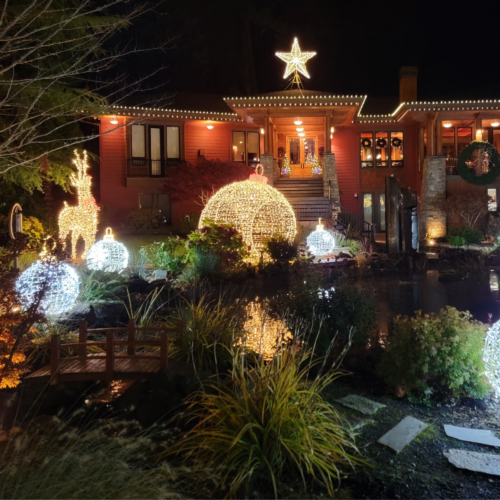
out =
column 408, row 84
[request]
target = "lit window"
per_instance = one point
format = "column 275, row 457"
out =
column 381, row 211
column 238, row 146
column 381, row 149
column 366, row 149
column 397, row 149
column 173, row 143
column 253, row 148
column 138, row 141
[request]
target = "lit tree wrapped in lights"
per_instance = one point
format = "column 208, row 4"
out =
column 316, row 166
column 491, row 356
column 80, row 220
column 286, row 170
column 257, row 211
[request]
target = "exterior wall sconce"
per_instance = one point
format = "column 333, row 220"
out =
column 210, row 126
column 114, row 120
column 479, row 134
column 447, row 124
column 298, row 121
column 262, row 131
column 495, row 123
column 332, row 130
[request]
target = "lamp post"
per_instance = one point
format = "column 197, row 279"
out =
column 15, row 226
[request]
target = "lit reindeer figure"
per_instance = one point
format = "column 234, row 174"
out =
column 80, row 220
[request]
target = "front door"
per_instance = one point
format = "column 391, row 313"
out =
column 301, row 151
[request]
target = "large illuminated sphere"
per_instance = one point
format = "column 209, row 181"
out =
column 320, row 242
column 257, row 211
column 107, row 255
column 491, row 356
column 61, row 282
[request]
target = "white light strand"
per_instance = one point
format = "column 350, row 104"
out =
column 320, row 242
column 108, row 255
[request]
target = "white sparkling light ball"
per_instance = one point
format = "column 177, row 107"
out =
column 491, row 356
column 107, row 255
column 320, row 242
column 59, row 281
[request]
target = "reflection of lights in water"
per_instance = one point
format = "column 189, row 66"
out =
column 493, row 281
column 491, row 357
column 263, row 333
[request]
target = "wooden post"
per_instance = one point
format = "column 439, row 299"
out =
column 420, row 148
column 82, row 339
column 55, row 343
column 266, row 135
column 131, row 336
column 110, row 356
column 328, row 141
column 164, row 351
column 439, row 137
column 430, row 136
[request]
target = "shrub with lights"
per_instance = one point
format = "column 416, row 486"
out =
column 56, row 284
column 491, row 357
column 320, row 242
column 108, row 255
column 257, row 211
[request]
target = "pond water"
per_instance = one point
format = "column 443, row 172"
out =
column 406, row 293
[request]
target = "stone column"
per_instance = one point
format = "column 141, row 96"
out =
column 330, row 180
column 267, row 162
column 432, row 216
column 392, row 193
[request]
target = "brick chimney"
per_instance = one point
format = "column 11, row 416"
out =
column 408, row 84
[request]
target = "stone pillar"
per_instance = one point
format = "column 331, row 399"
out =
column 330, row 180
column 392, row 195
column 267, row 162
column 432, row 216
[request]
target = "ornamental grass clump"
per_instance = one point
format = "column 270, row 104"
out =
column 269, row 422
column 437, row 354
column 55, row 460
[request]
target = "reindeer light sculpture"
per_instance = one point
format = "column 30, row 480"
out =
column 80, row 220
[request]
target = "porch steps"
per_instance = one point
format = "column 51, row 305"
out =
column 306, row 197
column 300, row 187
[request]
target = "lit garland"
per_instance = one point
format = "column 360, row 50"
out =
column 80, row 220
column 286, row 170
column 56, row 281
column 320, row 242
column 257, row 211
column 264, row 334
column 491, row 356
column 108, row 255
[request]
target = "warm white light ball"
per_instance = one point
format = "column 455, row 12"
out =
column 108, row 255
column 61, row 282
column 491, row 356
column 320, row 242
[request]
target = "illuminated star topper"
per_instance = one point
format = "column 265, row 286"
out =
column 295, row 60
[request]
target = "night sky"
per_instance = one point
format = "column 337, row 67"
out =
column 227, row 47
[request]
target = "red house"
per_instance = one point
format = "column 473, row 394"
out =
column 417, row 143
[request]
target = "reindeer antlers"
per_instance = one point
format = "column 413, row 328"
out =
column 81, row 165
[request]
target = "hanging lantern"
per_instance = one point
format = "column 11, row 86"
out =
column 57, row 281
column 491, row 357
column 108, row 255
column 257, row 211
column 320, row 242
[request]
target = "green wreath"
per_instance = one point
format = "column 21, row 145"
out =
column 465, row 172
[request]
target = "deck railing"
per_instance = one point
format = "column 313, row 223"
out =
column 131, row 342
column 144, row 167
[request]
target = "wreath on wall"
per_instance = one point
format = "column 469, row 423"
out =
column 469, row 175
column 396, row 142
column 381, row 143
column 366, row 143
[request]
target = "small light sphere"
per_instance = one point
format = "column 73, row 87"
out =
column 108, row 255
column 62, row 286
column 320, row 242
column 491, row 357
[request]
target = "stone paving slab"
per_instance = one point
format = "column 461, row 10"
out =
column 403, row 433
column 361, row 404
column 358, row 423
column 479, row 436
column 476, row 462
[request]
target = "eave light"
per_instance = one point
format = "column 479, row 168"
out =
column 447, row 124
column 495, row 123
column 210, row 126
column 298, row 121
column 114, row 120
column 301, row 134
column 300, row 129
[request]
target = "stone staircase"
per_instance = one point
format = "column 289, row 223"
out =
column 306, row 197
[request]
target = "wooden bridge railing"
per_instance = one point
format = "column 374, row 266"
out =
column 110, row 343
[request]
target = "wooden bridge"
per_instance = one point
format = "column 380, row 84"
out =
column 112, row 364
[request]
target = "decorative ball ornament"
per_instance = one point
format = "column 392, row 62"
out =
column 57, row 281
column 257, row 211
column 108, row 255
column 320, row 242
column 491, row 356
